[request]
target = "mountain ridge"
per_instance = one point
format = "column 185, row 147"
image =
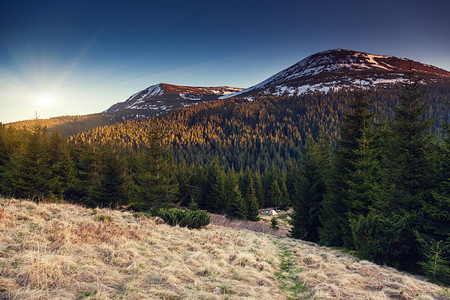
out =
column 340, row 68
column 163, row 97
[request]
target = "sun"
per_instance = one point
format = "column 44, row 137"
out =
column 45, row 100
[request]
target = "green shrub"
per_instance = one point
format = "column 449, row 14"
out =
column 188, row 218
column 274, row 223
column 435, row 266
column 103, row 218
column 387, row 240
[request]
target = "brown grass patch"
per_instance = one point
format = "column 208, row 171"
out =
column 62, row 251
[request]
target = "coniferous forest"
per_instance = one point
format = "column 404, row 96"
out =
column 366, row 170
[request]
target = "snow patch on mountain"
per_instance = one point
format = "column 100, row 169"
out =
column 339, row 69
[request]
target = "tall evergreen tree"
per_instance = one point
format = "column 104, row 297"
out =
column 235, row 204
column 112, row 189
column 213, row 197
column 409, row 145
column 61, row 164
column 86, row 176
column 274, row 195
column 249, row 194
column 310, row 188
column 285, row 199
column 354, row 133
column 155, row 181
column 259, row 190
column 27, row 173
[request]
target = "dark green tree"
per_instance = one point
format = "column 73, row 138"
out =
column 355, row 133
column 249, row 194
column 61, row 165
column 113, row 188
column 155, row 179
column 214, row 194
column 235, row 204
column 27, row 173
column 310, row 188
column 409, row 146
column 285, row 198
column 86, row 162
column 274, row 194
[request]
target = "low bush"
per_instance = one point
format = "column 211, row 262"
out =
column 187, row 218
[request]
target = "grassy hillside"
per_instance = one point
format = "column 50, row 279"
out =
column 62, row 251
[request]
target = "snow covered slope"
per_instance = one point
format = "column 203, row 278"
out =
column 164, row 97
column 337, row 69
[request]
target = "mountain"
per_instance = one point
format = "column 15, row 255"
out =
column 339, row 69
column 163, row 97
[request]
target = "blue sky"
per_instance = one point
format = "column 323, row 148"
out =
column 78, row 57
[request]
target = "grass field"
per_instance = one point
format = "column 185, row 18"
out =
column 63, row 251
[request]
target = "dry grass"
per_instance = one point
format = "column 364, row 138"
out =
column 62, row 251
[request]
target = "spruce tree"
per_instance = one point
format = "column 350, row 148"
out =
column 27, row 173
column 86, row 176
column 336, row 205
column 259, row 190
column 434, row 233
column 409, row 145
column 309, row 178
column 285, row 201
column 249, row 194
column 112, row 189
column 155, row 180
column 213, row 197
column 61, row 164
column 235, row 205
column 274, row 195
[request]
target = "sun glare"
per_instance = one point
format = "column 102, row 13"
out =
column 45, row 100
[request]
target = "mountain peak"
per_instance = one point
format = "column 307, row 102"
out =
column 163, row 97
column 338, row 69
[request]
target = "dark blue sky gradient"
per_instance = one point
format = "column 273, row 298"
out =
column 87, row 55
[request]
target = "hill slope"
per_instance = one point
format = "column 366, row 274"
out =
column 338, row 69
column 50, row 251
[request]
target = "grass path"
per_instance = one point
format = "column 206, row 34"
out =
column 288, row 275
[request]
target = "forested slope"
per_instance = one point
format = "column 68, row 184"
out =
column 258, row 133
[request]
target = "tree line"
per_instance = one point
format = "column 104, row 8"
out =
column 36, row 164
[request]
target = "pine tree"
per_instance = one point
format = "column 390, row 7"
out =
column 27, row 173
column 61, row 164
column 310, row 188
column 274, row 194
column 249, row 194
column 86, row 176
column 155, row 181
column 113, row 188
column 354, row 132
column 284, row 201
column 213, row 197
column 435, row 217
column 409, row 145
column 259, row 190
column 235, row 205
